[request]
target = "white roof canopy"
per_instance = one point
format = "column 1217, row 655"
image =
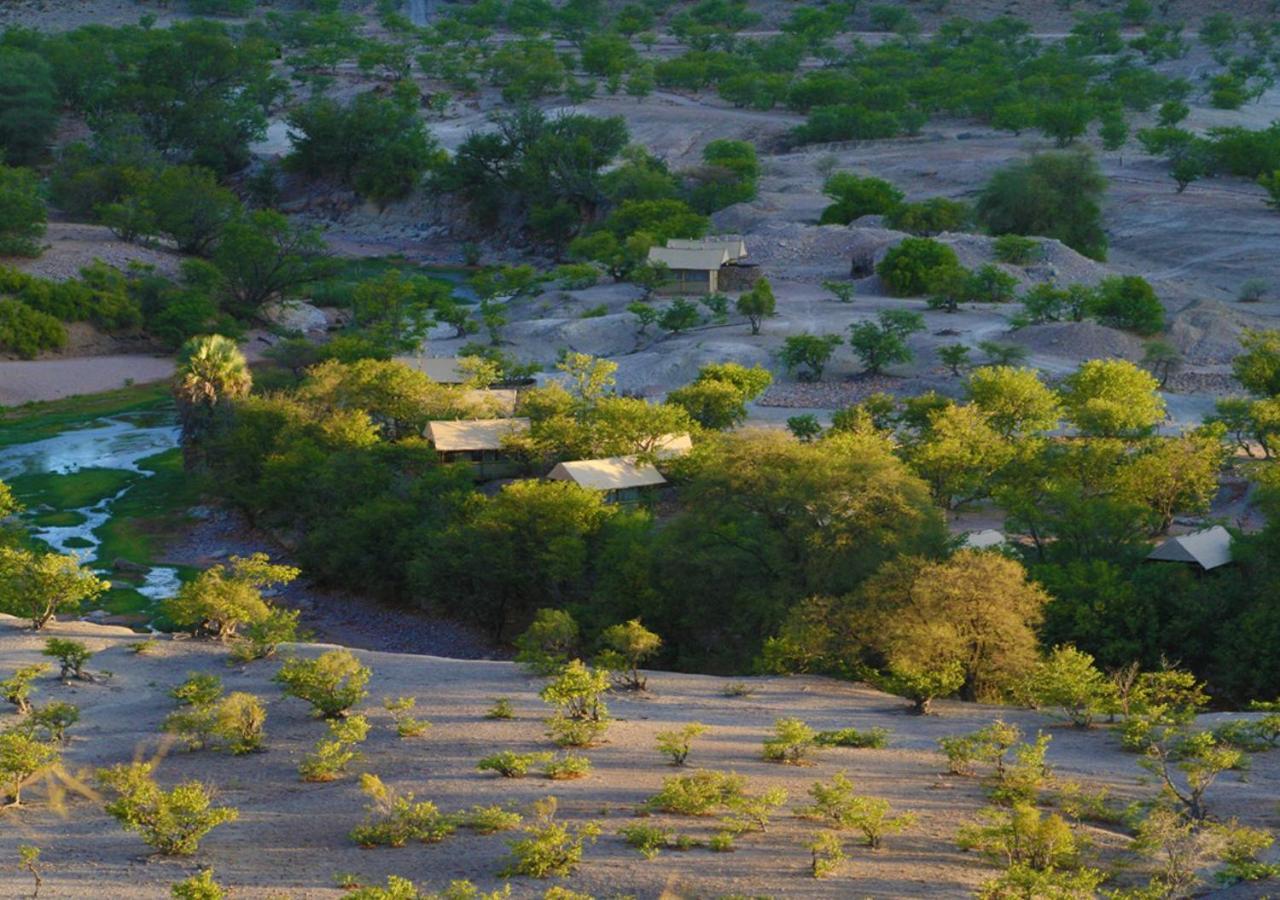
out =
column 440, row 369
column 1208, row 549
column 704, row 260
column 613, row 474
column 730, row 243
column 473, row 434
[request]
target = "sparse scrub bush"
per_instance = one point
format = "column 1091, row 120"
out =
column 626, row 646
column 648, row 839
column 174, row 821
column 550, row 847
column 1188, row 765
column 700, row 793
column 751, row 812
column 225, row 598
column 722, row 842
column 71, row 656
column 677, row 743
column 332, row 682
column 501, row 709
column 197, row 887
column 1081, row 804
column 510, row 764
column 401, row 709
column 1068, row 681
column 577, row 694
column 261, row 638
column 330, row 758
column 52, row 720
column 235, row 723
column 874, row 738
column 839, row 807
column 198, row 690
column 16, row 689
column 567, row 767
column 921, row 685
column 392, row 819
column 793, row 742
column 826, row 853
column 22, row 758
column 489, row 819
column 736, row 689
column 1017, row 250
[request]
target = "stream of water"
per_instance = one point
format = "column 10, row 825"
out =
column 118, row 443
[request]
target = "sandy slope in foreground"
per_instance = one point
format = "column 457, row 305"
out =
column 292, row 837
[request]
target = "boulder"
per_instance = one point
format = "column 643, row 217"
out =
column 295, row 315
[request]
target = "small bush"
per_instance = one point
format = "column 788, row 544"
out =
column 581, row 715
column 676, row 744
column 197, row 887
column 648, row 839
column 401, row 709
column 839, row 807
column 875, row 738
column 393, row 819
column 330, row 758
column 501, row 709
column 722, row 842
column 737, row 689
column 16, row 689
column 549, row 848
column 792, row 742
column 626, row 646
column 235, row 723
column 567, row 767
column 700, row 793
column 826, row 854
column 22, row 758
column 173, row 822
column 53, row 719
column 332, row 683
column 71, row 657
column 509, row 764
column 489, row 819
column 911, row 268
column 198, row 690
column 1017, row 250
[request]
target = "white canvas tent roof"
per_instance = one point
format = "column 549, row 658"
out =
column 440, row 369
column 732, row 244
column 1208, row 548
column 670, row 446
column 702, row 260
column 615, row 473
column 985, row 539
column 473, row 434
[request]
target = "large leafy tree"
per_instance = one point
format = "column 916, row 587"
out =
column 1112, row 398
column 28, row 106
column 264, row 256
column 37, row 586
column 1055, row 195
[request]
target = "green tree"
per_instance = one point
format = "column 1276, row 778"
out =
column 1258, row 367
column 186, row 205
column 225, row 597
column 37, row 586
column 717, row 398
column 854, row 196
column 757, row 304
column 1112, row 398
column 1128, row 302
column 913, row 266
column 263, row 256
column 1017, row 403
column 548, row 642
column 1054, row 195
column 22, row 213
column 884, row 342
column 28, row 106
column 808, row 353
column 955, row 357
column 625, row 647
column 1067, row 680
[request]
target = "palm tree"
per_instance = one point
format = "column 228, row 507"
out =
column 211, row 370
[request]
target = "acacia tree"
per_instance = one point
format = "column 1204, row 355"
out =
column 758, row 304
column 37, row 586
column 223, row 598
column 264, row 256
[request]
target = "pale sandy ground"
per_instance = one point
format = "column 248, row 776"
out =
column 292, row 837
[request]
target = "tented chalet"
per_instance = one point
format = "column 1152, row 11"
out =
column 476, row 441
column 704, row 265
column 623, row 479
column 1205, row 550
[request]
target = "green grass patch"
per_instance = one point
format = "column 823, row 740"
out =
column 72, row 490
column 62, row 519
column 78, row 543
column 152, row 511
column 37, row 421
column 339, row 288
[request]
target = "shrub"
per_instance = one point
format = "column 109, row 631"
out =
column 581, row 715
column 392, row 820
column 510, row 764
column 855, row 197
column 884, row 342
column 722, row 842
column 261, row 638
column 501, row 709
column 173, row 822
column 332, row 682
column 826, row 853
column 1253, row 290
column 52, row 720
column 26, row 331
column 1068, row 681
column 16, row 689
column 1016, row 249
column 700, row 793
column 71, row 657
column 676, row 744
column 198, row 690
column 930, row 217
column 875, row 738
column 921, row 686
column 626, row 646
column 36, row 586
column 549, row 848
column 234, row 723
column 22, row 213
column 1130, row 303
column 792, row 742
column 224, row 598
column 401, row 709
column 751, row 812
column 737, row 689
column 548, row 642
column 330, row 758
column 1055, row 195
column 648, row 839
column 22, row 758
column 489, row 819
column 197, row 887
column 840, row 808
column 808, row 353
column 567, row 767
column 912, row 267
column 1188, row 765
